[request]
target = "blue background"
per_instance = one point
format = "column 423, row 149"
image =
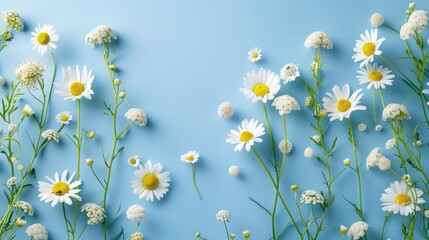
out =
column 178, row 61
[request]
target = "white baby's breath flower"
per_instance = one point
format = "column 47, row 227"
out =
column 37, row 232
column 12, row 128
column 137, row 116
column 318, row 39
column 94, row 212
column 384, row 163
column 51, row 135
column 390, row 143
column 308, row 152
column 223, row 215
column 101, row 34
column 289, row 73
column 12, row 20
column 25, row 207
column 316, row 138
column 285, row 146
column 30, row 73
column 136, row 213
column 311, row 197
column 417, row 22
column 234, row 170
column 395, row 111
column 407, row 30
column 378, row 128
column 286, row 104
column 373, row 158
column 254, row 55
column 417, row 143
column 12, row 181
column 362, row 127
column 357, row 230
column 426, row 213
column 376, row 19
column 27, row 111
column 225, row 110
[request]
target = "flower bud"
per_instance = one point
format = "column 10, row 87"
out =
column 198, row 234
column 231, row 235
column 343, row 229
column 117, row 82
column 408, row 12
column 246, row 234
column 90, row 135
column 20, row 167
column 112, row 67
column 7, row 36
column 89, row 162
column 346, row 162
column 412, row 5
column 322, row 113
column 294, row 187
column 308, row 101
column 122, row 94
column 20, row 222
column 406, row 178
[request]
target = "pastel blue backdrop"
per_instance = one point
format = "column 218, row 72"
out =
column 178, row 61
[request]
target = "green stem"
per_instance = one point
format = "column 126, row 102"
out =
column 78, row 149
column 65, row 221
column 83, row 230
column 226, row 230
column 273, row 145
column 352, row 139
column 193, row 180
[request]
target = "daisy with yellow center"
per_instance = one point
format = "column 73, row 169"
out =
column 59, row 190
column 64, row 117
column 401, row 198
column 340, row 104
column 44, row 38
column 367, row 47
column 261, row 86
column 375, row 75
column 134, row 161
column 151, row 181
column 76, row 85
column 254, row 55
column 192, row 157
column 247, row 135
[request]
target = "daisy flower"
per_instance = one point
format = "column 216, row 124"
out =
column 260, row 86
column 340, row 104
column 59, row 190
column 190, row 157
column 247, row 134
column 375, row 75
column 367, row 47
column 64, row 117
column 44, row 38
column 76, row 85
column 151, row 181
column 400, row 198
column 134, row 161
column 254, row 55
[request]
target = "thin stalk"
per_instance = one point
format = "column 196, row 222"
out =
column 193, row 180
column 78, row 149
column 273, row 145
column 226, row 230
column 352, row 139
column 65, row 221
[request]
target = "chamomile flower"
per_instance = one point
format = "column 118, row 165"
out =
column 247, row 134
column 190, row 157
column 134, row 161
column 367, row 47
column 44, row 38
column 401, row 198
column 76, row 85
column 261, row 86
column 151, row 181
column 340, row 104
column 64, row 117
column 376, row 76
column 59, row 189
column 254, row 55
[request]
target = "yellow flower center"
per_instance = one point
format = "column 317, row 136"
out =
column 375, row 76
column 133, row 161
column 150, row 181
column 255, row 55
column 43, row 38
column 368, row 49
column 343, row 105
column 77, row 88
column 60, row 188
column 190, row 158
column 246, row 136
column 261, row 89
column 402, row 199
column 64, row 118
